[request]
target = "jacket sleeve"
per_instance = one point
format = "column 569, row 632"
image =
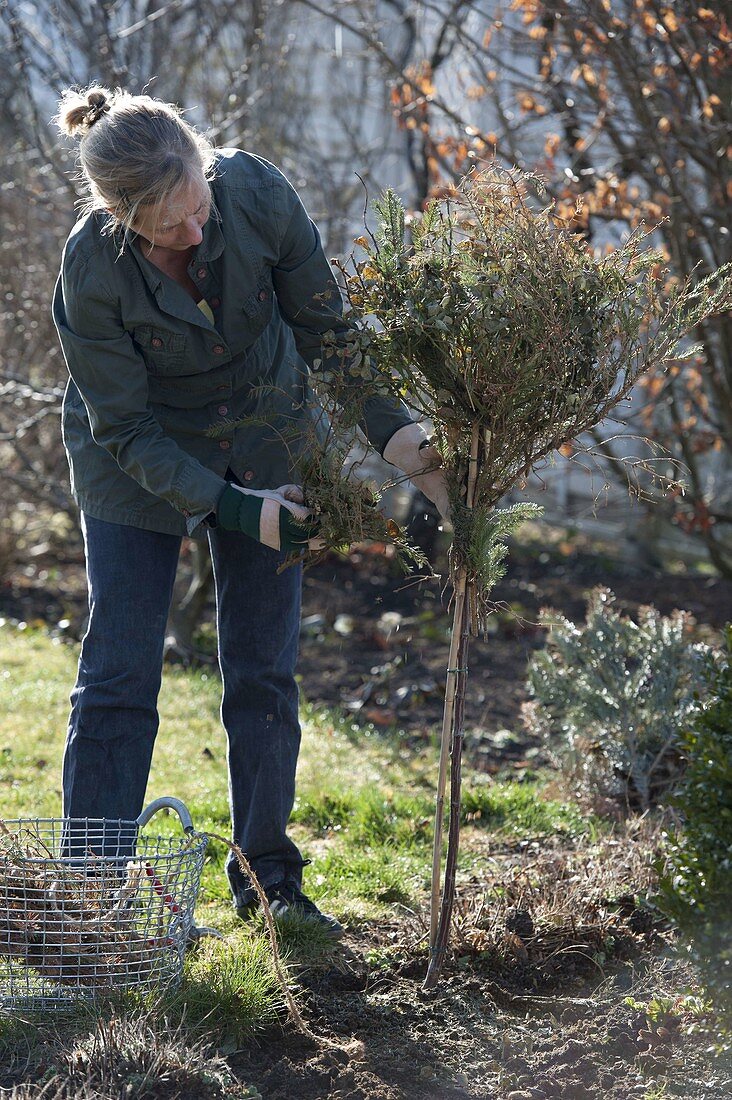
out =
column 311, row 304
column 111, row 377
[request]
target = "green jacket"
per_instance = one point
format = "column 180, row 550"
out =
column 160, row 402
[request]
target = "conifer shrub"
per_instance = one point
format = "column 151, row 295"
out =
column 696, row 876
column 612, row 697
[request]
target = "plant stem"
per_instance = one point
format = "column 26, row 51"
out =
column 452, row 743
column 351, row 1045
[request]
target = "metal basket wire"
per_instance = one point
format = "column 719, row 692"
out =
column 91, row 906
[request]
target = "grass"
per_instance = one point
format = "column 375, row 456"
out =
column 365, row 802
column 229, row 988
column 373, row 816
column 363, row 815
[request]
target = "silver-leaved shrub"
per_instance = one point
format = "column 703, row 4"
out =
column 611, row 697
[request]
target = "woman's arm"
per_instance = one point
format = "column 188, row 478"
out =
column 311, row 304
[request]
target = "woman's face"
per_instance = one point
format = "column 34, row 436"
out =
column 178, row 223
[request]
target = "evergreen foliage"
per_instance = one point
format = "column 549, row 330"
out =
column 487, row 548
column 696, row 882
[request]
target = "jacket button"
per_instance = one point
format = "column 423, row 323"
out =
column 224, row 444
column 223, row 409
column 215, row 303
column 202, row 273
column 218, row 349
column 249, row 475
column 156, row 342
column 262, row 295
column 221, row 389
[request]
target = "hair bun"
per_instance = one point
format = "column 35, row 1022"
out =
column 78, row 111
column 99, row 103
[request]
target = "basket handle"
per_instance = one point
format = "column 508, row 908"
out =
column 167, row 802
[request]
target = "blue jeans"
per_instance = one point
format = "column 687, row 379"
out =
column 114, row 718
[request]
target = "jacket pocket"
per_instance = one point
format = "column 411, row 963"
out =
column 257, row 310
column 164, row 351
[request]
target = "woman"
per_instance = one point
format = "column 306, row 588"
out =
column 190, row 305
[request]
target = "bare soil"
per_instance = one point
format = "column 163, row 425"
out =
column 486, row 1034
column 555, row 956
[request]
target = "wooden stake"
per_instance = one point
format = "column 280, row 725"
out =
column 447, row 725
column 438, row 949
column 451, row 744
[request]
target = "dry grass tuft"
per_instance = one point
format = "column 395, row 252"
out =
column 139, row 1057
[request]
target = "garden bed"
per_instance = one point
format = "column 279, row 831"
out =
column 374, row 642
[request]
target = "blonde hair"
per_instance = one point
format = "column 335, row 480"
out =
column 134, row 151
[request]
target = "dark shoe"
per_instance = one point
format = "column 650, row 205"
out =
column 285, row 899
column 247, row 910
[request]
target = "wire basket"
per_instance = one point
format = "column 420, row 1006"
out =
column 91, row 906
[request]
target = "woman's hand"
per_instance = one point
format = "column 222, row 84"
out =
column 411, row 451
column 275, row 517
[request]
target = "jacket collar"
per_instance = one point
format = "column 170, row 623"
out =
column 172, row 298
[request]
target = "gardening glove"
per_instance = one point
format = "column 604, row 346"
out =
column 411, row 450
column 276, row 517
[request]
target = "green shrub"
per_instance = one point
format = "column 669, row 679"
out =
column 611, row 698
column 696, row 878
